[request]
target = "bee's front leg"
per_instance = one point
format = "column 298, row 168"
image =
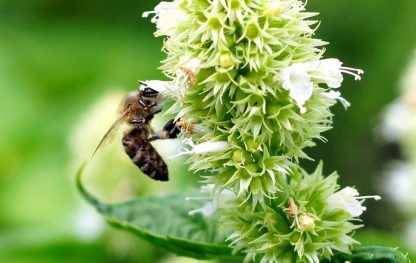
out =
column 169, row 131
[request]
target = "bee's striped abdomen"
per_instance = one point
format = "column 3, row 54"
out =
column 143, row 155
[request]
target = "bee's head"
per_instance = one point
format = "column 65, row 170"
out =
column 137, row 107
column 149, row 89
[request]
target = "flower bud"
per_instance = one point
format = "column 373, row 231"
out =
column 252, row 145
column 253, row 30
column 214, row 22
column 306, row 223
column 235, row 4
column 238, row 156
column 226, row 60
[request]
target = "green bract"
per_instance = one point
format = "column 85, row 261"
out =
column 251, row 92
column 298, row 226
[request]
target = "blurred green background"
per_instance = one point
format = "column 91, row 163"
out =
column 58, row 58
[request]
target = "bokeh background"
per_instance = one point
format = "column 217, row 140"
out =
column 64, row 64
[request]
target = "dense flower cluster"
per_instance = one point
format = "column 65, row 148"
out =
column 310, row 219
column 250, row 82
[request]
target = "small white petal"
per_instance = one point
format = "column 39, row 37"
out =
column 336, row 95
column 224, row 197
column 297, row 80
column 219, row 200
column 203, row 148
column 210, row 147
column 207, row 210
column 168, row 16
column 244, row 184
column 347, row 199
column 209, row 188
column 329, row 71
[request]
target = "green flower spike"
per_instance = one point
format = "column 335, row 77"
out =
column 309, row 221
column 250, row 73
column 251, row 92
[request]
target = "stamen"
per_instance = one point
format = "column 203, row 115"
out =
column 359, row 71
column 356, row 75
column 375, row 197
column 195, row 211
column 146, row 14
column 336, row 95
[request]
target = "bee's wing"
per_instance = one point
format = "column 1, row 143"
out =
column 109, row 134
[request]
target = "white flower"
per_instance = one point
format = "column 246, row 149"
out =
column 168, row 16
column 348, row 199
column 400, row 184
column 219, row 200
column 203, row 148
column 336, row 95
column 329, row 71
column 395, row 121
column 297, row 80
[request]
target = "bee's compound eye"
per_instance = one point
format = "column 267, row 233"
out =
column 149, row 92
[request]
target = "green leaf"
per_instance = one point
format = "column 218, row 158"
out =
column 373, row 254
column 165, row 222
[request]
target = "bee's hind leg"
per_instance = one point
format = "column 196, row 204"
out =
column 169, row 131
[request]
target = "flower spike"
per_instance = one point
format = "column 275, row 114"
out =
column 252, row 92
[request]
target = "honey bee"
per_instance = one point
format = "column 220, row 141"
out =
column 138, row 109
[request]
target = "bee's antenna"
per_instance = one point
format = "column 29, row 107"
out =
column 142, row 83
